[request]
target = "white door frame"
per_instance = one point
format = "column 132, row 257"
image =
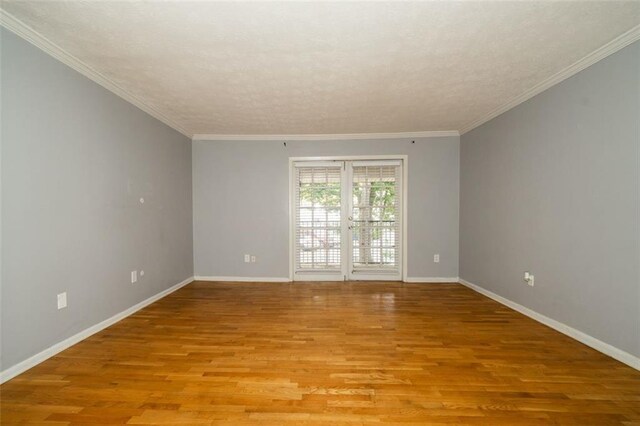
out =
column 405, row 192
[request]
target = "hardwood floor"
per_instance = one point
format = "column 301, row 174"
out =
column 326, row 353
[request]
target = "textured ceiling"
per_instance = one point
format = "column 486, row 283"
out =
column 297, row 68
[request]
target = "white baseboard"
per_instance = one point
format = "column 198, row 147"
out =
column 244, row 279
column 605, row 348
column 431, row 280
column 286, row 280
column 28, row 363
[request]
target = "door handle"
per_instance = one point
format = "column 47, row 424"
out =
column 350, row 218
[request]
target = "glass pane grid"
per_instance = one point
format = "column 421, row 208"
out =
column 375, row 228
column 318, row 218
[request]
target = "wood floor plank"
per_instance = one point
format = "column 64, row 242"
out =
column 325, row 353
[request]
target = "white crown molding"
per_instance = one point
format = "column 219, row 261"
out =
column 600, row 346
column 613, row 46
column 432, row 280
column 29, row 34
column 326, row 137
column 28, row 363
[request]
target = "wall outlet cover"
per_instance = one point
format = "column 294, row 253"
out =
column 62, row 300
column 529, row 279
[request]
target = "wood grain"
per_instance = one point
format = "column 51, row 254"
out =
column 326, row 353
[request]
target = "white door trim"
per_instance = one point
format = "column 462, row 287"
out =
column 405, row 199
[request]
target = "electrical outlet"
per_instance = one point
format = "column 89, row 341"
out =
column 62, row 300
column 247, row 258
column 529, row 278
column 253, row 259
column 134, row 276
column 436, row 258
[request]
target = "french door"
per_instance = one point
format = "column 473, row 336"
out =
column 347, row 220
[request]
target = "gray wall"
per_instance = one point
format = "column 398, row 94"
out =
column 75, row 161
column 241, row 202
column 552, row 187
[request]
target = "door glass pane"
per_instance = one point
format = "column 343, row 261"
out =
column 375, row 227
column 318, row 218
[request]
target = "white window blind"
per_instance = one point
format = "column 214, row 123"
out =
column 318, row 211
